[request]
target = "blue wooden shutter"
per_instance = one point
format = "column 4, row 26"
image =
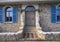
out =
column 53, row 13
column 1, row 14
column 15, row 14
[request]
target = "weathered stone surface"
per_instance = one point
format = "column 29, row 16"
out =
column 8, row 27
column 48, row 37
column 52, row 37
column 45, row 19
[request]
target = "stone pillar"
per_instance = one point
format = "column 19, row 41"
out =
column 39, row 31
column 37, row 20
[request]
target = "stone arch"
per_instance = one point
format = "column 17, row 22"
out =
column 30, row 8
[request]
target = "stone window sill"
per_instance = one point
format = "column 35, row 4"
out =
column 8, row 22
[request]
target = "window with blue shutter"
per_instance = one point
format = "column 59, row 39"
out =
column 1, row 14
column 53, row 13
column 15, row 14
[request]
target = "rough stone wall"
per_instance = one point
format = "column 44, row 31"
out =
column 8, row 27
column 14, row 37
column 45, row 22
column 45, row 19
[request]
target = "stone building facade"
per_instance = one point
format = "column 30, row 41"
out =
column 16, row 21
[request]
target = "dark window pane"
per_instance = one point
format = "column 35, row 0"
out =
column 58, row 18
column 8, row 18
column 58, row 5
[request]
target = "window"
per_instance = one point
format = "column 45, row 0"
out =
column 8, row 14
column 55, row 13
column 58, row 12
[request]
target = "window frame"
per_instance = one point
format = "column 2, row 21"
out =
column 5, row 14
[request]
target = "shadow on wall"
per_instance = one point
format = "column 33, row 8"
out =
column 44, row 27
